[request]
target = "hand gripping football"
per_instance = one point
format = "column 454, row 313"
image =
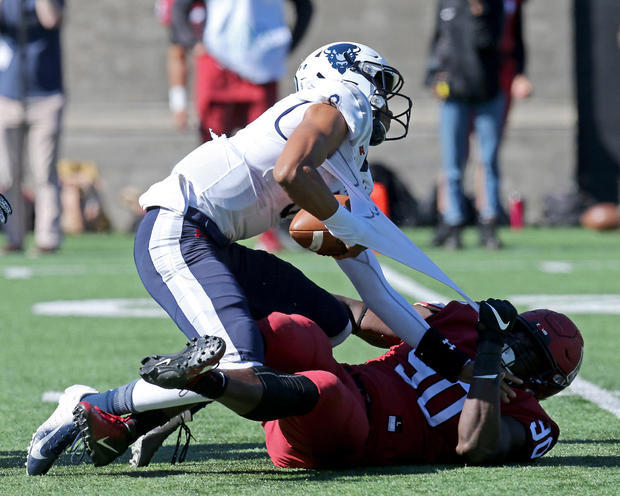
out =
column 311, row 233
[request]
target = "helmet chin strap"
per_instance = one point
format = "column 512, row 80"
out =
column 378, row 132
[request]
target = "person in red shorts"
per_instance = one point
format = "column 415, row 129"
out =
column 239, row 58
column 394, row 409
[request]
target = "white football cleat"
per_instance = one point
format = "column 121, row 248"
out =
column 56, row 433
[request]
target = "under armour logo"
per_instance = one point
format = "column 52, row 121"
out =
column 449, row 344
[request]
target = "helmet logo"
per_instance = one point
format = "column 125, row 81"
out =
column 541, row 329
column 336, row 55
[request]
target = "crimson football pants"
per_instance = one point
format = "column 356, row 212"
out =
column 334, row 433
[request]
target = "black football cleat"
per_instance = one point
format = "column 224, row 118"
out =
column 182, row 369
column 106, row 436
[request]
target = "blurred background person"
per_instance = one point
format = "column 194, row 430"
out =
column 463, row 71
column 513, row 79
column 184, row 36
column 31, row 105
column 239, row 60
column 513, row 83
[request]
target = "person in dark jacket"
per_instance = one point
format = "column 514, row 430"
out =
column 463, row 71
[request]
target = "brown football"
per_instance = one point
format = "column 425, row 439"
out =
column 310, row 232
column 602, row 216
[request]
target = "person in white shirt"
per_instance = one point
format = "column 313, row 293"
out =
column 307, row 147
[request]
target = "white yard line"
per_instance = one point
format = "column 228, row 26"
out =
column 28, row 272
column 599, row 396
column 556, row 267
column 571, row 303
column 412, row 288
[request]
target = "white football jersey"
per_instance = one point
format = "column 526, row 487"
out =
column 231, row 179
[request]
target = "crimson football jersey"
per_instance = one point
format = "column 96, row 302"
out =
column 414, row 412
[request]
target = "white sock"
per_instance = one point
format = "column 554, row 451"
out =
column 147, row 397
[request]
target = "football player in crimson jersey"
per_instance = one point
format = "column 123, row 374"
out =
column 394, row 409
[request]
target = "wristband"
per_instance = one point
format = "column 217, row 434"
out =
column 487, row 361
column 358, row 323
column 177, row 98
column 492, row 335
column 345, row 226
column 439, row 353
column 355, row 324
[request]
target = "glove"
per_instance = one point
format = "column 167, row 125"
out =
column 496, row 319
column 5, row 209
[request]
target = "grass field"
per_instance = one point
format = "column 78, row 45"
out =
column 40, row 352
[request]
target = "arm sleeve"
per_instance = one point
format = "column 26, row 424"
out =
column 366, row 275
column 303, row 11
column 181, row 32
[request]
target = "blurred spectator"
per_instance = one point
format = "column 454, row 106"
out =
column 82, row 206
column 463, row 71
column 31, row 105
column 182, row 42
column 246, row 43
column 513, row 79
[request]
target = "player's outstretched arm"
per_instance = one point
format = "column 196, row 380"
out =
column 5, row 209
column 484, row 436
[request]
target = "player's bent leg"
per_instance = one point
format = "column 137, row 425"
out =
column 184, row 263
column 333, row 433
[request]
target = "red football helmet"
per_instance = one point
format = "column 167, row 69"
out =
column 545, row 349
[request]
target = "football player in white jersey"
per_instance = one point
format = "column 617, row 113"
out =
column 298, row 154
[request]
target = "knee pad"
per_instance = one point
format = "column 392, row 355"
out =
column 284, row 395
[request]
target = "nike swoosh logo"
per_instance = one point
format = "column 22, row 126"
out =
column 502, row 325
column 163, row 362
column 35, row 451
column 103, row 443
